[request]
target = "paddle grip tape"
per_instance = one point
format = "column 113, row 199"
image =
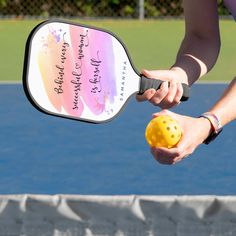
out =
column 146, row 84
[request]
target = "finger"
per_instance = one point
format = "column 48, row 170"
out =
column 179, row 93
column 160, row 93
column 171, row 93
column 174, row 96
column 147, row 73
column 177, row 99
column 165, row 160
column 156, row 74
column 160, row 158
column 168, row 101
column 165, row 155
column 162, row 112
column 185, row 150
column 182, row 157
column 147, row 95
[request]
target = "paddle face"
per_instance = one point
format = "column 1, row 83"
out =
column 77, row 72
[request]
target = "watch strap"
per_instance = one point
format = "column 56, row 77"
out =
column 215, row 124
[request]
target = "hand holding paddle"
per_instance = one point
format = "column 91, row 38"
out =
column 172, row 90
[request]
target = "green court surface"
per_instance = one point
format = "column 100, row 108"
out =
column 152, row 44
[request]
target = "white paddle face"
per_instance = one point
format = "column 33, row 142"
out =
column 78, row 72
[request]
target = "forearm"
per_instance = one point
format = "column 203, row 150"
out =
column 196, row 57
column 225, row 107
column 200, row 47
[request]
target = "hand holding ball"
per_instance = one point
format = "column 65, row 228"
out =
column 163, row 131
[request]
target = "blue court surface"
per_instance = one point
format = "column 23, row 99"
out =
column 43, row 154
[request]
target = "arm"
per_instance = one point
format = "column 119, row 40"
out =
column 197, row 54
column 200, row 47
column 225, row 107
column 196, row 130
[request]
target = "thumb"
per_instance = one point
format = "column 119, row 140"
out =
column 156, row 74
column 147, row 73
column 162, row 112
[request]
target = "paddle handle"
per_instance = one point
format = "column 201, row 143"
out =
column 146, row 84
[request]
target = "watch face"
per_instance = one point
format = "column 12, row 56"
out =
column 212, row 136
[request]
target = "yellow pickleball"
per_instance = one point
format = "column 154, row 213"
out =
column 163, row 131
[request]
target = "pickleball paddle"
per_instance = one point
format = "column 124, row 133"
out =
column 81, row 72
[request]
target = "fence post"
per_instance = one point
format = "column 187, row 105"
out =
column 141, row 9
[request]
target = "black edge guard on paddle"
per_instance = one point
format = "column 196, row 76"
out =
column 146, row 84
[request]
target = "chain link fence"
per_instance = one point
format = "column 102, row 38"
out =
column 94, row 9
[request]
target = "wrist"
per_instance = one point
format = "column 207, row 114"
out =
column 215, row 126
column 193, row 67
column 181, row 74
column 206, row 128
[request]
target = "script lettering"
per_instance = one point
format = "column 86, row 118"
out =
column 96, row 79
column 77, row 73
column 77, row 85
column 60, row 68
column 84, row 42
